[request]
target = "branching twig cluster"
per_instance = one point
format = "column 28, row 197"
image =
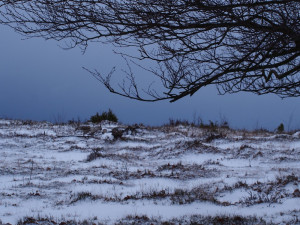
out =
column 238, row 45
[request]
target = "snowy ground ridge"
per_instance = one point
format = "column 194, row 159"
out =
column 164, row 175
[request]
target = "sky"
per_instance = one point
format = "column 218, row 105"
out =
column 39, row 80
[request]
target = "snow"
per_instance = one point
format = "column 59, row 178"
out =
column 165, row 172
column 234, row 196
column 200, row 158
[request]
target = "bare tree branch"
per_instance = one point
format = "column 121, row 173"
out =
column 237, row 45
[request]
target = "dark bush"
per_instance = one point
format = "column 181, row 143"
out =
column 110, row 116
column 117, row 132
column 280, row 128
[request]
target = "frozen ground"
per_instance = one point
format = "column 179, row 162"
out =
column 173, row 174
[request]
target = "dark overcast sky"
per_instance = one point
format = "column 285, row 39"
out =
column 41, row 81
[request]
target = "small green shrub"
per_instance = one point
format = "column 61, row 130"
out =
column 280, row 128
column 110, row 116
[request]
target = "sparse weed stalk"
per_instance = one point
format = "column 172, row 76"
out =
column 56, row 221
column 96, row 153
column 146, row 220
column 178, row 196
column 28, row 122
column 184, row 172
column 212, row 126
column 59, row 118
column 259, row 198
column 181, row 196
column 31, row 171
column 287, row 179
column 82, row 196
column 75, row 123
column 213, row 135
column 38, row 220
column 178, row 122
column 261, row 131
column 270, row 192
column 136, row 219
column 194, row 219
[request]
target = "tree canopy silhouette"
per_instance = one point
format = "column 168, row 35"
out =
column 237, row 45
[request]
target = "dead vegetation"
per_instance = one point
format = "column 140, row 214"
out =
column 148, row 168
column 145, row 220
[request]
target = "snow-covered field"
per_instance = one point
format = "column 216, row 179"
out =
column 59, row 173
